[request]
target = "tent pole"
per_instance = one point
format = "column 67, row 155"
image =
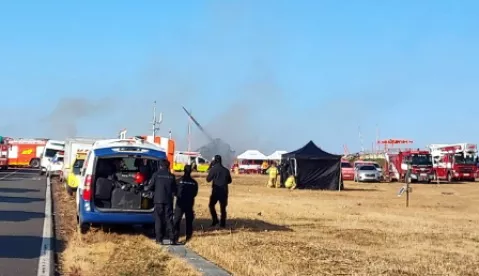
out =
column 340, row 174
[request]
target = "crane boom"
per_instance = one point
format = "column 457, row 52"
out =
column 198, row 125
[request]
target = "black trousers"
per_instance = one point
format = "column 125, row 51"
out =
column 164, row 221
column 186, row 209
column 222, row 197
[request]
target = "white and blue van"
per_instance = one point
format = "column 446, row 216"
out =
column 51, row 149
column 109, row 191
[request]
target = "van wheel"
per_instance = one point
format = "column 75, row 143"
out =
column 83, row 228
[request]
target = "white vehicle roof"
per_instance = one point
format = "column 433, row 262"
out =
column 55, row 142
column 108, row 143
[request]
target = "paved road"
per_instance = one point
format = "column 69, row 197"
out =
column 22, row 212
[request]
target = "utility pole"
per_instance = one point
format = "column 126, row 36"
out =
column 156, row 121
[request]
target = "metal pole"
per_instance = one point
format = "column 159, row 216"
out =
column 154, row 120
column 189, row 133
column 408, row 174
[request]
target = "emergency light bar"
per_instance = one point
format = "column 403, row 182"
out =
column 129, row 149
column 190, row 153
column 128, row 141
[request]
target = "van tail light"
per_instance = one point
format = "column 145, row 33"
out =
column 87, row 190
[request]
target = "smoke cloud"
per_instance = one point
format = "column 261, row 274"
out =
column 63, row 121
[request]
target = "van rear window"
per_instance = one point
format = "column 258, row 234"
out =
column 346, row 165
column 122, row 165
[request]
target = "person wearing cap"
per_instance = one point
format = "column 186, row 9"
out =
column 163, row 185
column 221, row 178
column 185, row 200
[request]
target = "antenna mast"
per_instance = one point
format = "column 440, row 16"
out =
column 377, row 139
column 156, row 122
column 361, row 139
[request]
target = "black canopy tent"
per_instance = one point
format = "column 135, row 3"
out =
column 314, row 168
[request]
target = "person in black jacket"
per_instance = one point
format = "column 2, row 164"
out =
column 185, row 200
column 163, row 184
column 221, row 178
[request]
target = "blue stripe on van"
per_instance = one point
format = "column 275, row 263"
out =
column 110, row 152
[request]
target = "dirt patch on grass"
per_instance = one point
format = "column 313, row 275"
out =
column 107, row 253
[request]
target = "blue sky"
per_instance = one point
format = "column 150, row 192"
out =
column 260, row 74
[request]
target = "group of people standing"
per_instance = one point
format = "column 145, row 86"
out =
column 164, row 186
column 285, row 174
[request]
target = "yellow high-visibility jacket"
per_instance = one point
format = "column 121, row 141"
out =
column 273, row 172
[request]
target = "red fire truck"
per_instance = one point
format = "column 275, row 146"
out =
column 3, row 154
column 454, row 162
column 419, row 160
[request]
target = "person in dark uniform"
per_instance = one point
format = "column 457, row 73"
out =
column 185, row 200
column 221, row 178
column 212, row 163
column 163, row 184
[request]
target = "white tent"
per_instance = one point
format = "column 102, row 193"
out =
column 276, row 155
column 252, row 155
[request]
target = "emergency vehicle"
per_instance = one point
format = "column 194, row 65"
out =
column 71, row 176
column 454, row 161
column 347, row 171
column 420, row 162
column 51, row 148
column 102, row 200
column 25, row 152
column 194, row 159
column 3, row 153
column 55, row 167
column 74, row 147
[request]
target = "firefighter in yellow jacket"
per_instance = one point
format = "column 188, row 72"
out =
column 290, row 182
column 272, row 171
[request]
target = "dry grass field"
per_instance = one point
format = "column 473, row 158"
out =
column 364, row 230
